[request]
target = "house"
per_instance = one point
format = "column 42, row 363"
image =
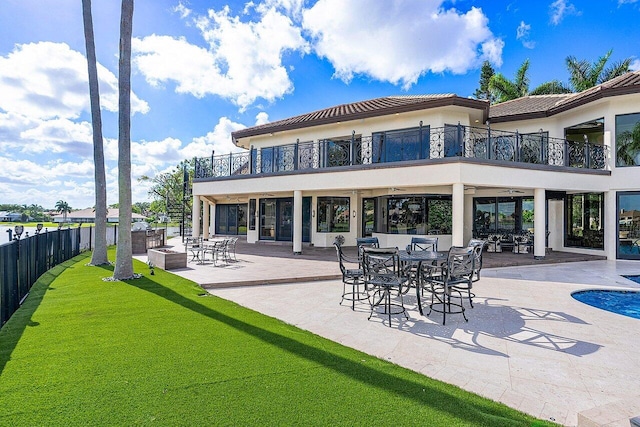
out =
column 561, row 167
column 10, row 216
column 89, row 216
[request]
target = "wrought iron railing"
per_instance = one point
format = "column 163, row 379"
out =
column 445, row 142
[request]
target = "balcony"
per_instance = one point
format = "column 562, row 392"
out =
column 425, row 144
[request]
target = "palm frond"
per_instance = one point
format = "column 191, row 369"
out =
column 552, row 87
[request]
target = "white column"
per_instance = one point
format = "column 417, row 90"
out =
column 457, row 213
column 297, row 222
column 610, row 225
column 195, row 217
column 205, row 220
column 611, row 156
column 539, row 223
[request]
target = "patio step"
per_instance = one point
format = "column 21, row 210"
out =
column 617, row 414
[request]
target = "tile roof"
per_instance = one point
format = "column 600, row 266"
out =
column 530, row 107
column 363, row 109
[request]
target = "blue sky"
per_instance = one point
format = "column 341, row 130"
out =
column 202, row 69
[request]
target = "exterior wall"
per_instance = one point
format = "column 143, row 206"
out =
column 437, row 117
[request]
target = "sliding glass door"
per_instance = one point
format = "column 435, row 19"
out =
column 628, row 220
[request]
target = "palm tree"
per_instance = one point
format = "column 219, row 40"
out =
column 124, row 254
column 99, row 256
column 583, row 75
column 63, row 208
column 506, row 90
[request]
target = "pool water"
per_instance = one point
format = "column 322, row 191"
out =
column 626, row 303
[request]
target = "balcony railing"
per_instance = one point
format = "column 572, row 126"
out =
column 445, row 142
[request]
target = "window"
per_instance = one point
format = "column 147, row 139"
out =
column 453, row 140
column 419, row 215
column 252, row 214
column 628, row 140
column 506, row 215
column 231, row 219
column 333, row 214
column 266, row 160
column 584, row 216
column 401, row 145
column 628, row 225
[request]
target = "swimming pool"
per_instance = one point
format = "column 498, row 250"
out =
column 622, row 302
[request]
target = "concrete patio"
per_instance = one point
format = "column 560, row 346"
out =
column 527, row 344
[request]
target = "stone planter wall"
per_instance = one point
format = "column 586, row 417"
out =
column 167, row 259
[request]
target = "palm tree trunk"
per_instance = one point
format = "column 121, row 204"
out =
column 124, row 257
column 99, row 256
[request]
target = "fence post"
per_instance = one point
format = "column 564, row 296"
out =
column 587, row 153
column 295, row 155
column 212, row 154
column 460, row 141
column 251, row 160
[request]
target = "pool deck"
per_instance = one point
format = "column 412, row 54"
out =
column 527, row 344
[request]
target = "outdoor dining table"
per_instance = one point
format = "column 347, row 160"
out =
column 418, row 259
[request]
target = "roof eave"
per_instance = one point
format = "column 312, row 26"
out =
column 427, row 104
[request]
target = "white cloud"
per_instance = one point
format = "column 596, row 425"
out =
column 182, row 10
column 218, row 140
column 635, row 65
column 262, row 118
column 399, row 41
column 522, row 34
column 49, row 80
column 559, row 9
column 621, row 2
column 58, row 136
column 243, row 61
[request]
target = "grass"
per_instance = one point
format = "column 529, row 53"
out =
column 159, row 350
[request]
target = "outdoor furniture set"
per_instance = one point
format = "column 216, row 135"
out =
column 382, row 276
column 517, row 243
column 221, row 249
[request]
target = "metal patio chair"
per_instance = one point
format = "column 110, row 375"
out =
column 384, row 281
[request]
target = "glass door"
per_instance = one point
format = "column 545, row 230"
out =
column 628, row 225
column 306, row 219
column 368, row 217
column 284, row 228
column 507, row 216
column 267, row 219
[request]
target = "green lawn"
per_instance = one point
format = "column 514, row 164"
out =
column 159, row 350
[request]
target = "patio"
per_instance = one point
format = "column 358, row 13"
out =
column 527, row 344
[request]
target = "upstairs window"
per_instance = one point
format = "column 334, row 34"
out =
column 401, row 145
column 628, row 140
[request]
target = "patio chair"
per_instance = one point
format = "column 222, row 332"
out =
column 353, row 286
column 478, row 246
column 521, row 243
column 383, row 279
column 366, row 242
column 231, row 249
column 194, row 246
column 419, row 244
column 457, row 275
column 424, row 244
column 494, row 243
column 218, row 250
